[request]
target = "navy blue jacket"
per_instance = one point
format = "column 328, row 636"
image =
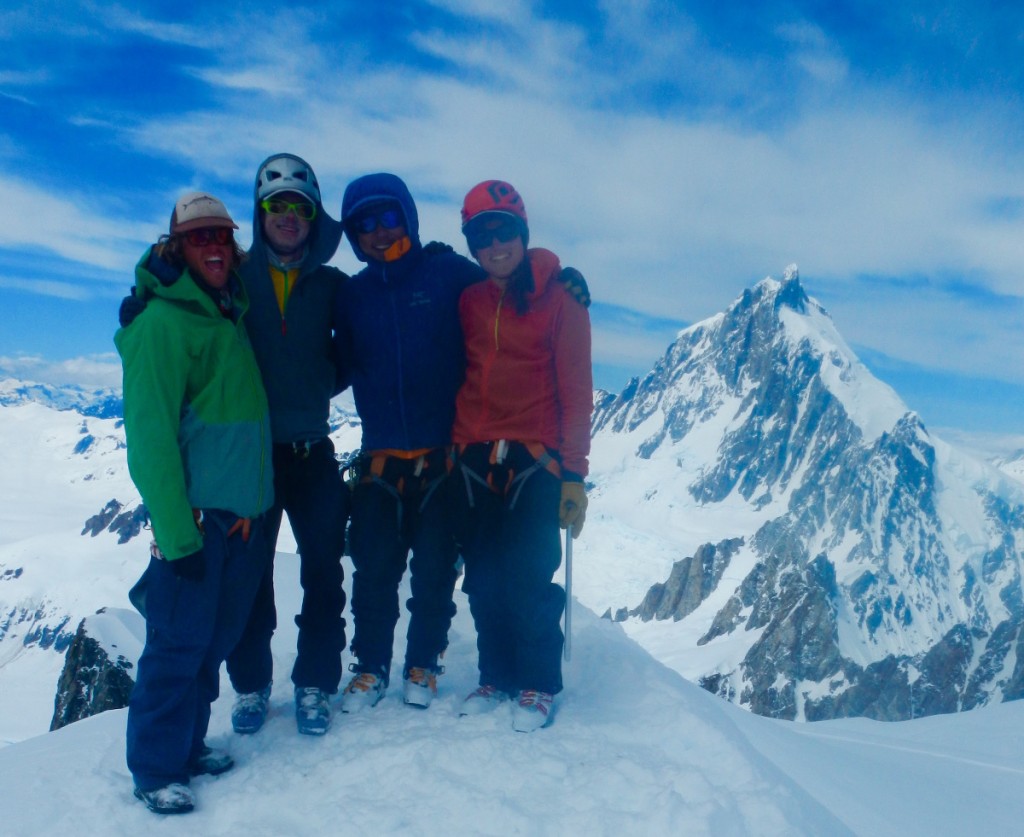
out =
column 397, row 332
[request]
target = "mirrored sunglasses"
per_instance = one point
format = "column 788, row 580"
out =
column 209, row 235
column 480, row 236
column 389, row 219
column 305, row 211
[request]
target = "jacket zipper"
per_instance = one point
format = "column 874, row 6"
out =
column 486, row 382
column 284, row 305
column 392, row 292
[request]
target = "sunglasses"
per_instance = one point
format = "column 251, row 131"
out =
column 209, row 235
column 481, row 236
column 388, row 219
column 303, row 210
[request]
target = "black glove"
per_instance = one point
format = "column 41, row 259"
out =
column 436, row 248
column 131, row 307
column 190, row 567
column 576, row 285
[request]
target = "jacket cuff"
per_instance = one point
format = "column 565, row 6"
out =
column 571, row 476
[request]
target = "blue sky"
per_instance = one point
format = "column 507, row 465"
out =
column 675, row 152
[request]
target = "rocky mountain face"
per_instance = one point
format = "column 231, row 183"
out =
column 99, row 666
column 35, row 624
column 113, row 517
column 872, row 571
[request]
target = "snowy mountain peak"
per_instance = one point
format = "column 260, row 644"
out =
column 787, row 292
column 856, row 544
column 773, row 353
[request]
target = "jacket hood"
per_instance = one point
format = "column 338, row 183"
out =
column 156, row 278
column 324, row 234
column 545, row 266
column 372, row 188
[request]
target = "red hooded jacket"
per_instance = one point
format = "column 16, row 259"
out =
column 528, row 377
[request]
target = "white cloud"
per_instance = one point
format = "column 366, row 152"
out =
column 119, row 18
column 511, row 12
column 94, row 371
column 25, row 78
column 623, row 348
column 933, row 327
column 815, row 53
column 74, row 227
column 45, row 287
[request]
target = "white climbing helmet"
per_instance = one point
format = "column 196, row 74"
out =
column 286, row 173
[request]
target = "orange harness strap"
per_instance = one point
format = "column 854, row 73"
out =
column 502, row 478
column 379, row 460
column 421, row 471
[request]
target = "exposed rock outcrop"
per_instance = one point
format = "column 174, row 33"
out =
column 99, row 666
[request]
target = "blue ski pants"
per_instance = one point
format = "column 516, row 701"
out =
column 393, row 513
column 190, row 628
column 511, row 545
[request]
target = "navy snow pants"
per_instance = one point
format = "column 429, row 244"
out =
column 511, row 545
column 393, row 513
column 308, row 487
column 190, row 628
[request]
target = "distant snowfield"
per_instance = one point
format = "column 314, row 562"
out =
column 43, row 483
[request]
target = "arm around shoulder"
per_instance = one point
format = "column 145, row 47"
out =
column 575, row 285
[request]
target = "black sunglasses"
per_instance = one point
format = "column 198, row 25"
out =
column 387, row 218
column 480, row 236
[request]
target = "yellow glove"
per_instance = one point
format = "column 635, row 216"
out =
column 572, row 510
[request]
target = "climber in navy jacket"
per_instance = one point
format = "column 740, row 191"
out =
column 399, row 342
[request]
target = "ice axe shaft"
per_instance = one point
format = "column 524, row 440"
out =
column 567, row 646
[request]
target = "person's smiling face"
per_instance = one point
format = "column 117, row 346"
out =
column 286, row 232
column 208, row 253
column 500, row 258
column 378, row 229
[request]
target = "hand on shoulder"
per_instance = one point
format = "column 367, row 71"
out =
column 575, row 285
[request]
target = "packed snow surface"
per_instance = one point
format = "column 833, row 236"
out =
column 633, row 749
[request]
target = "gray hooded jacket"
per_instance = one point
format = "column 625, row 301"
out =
column 294, row 349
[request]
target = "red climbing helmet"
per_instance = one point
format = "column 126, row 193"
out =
column 493, row 196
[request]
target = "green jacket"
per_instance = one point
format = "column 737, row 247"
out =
column 195, row 412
